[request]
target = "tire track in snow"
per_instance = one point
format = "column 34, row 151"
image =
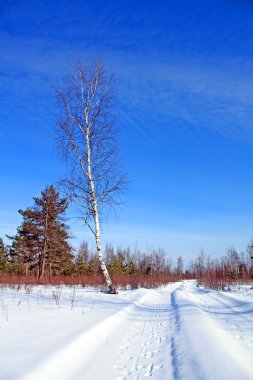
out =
column 176, row 328
column 229, row 312
column 198, row 340
column 184, row 364
column 226, row 301
column 235, row 320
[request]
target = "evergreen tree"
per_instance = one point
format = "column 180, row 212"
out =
column 3, row 257
column 82, row 259
column 41, row 241
column 116, row 265
column 130, row 268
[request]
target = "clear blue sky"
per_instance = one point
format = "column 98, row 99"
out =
column 184, row 113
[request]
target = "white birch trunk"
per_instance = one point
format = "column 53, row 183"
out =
column 95, row 212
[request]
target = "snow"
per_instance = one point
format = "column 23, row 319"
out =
column 178, row 331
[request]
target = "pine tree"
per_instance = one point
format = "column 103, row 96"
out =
column 3, row 257
column 81, row 261
column 25, row 246
column 130, row 268
column 116, row 265
column 41, row 241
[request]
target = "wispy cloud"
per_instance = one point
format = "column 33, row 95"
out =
column 192, row 96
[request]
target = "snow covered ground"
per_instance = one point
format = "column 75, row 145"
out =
column 179, row 331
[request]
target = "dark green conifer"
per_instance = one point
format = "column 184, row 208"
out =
column 41, row 241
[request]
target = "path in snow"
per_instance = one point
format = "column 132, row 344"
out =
column 205, row 344
column 175, row 332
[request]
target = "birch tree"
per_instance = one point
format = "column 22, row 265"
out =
column 86, row 138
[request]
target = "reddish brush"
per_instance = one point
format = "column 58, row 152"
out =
column 134, row 281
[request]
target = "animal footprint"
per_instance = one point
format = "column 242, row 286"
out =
column 159, row 366
column 149, row 354
column 149, row 370
column 160, row 340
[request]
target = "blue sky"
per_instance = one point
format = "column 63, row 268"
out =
column 184, row 110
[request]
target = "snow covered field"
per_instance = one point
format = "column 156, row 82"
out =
column 179, row 331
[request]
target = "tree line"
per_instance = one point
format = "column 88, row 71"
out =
column 218, row 273
column 41, row 249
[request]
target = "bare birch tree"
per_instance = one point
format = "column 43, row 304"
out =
column 86, row 137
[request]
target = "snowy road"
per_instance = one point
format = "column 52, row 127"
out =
column 175, row 332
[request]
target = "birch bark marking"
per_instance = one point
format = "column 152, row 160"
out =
column 95, row 208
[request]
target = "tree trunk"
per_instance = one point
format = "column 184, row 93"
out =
column 43, row 267
column 41, row 271
column 44, row 247
column 99, row 251
column 95, row 214
column 50, row 272
column 26, row 270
